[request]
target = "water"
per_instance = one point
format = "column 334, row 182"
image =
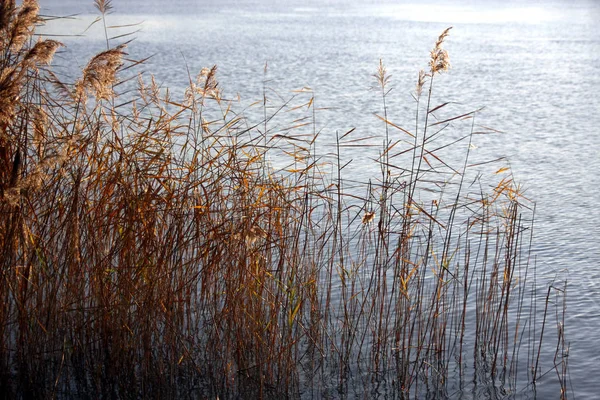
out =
column 534, row 66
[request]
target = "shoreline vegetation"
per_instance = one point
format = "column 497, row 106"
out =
column 149, row 249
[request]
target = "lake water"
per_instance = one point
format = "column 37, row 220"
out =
column 533, row 65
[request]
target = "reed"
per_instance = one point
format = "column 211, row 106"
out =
column 149, row 248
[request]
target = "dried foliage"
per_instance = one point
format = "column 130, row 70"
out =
column 148, row 250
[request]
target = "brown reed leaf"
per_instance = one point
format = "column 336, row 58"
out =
column 394, row 125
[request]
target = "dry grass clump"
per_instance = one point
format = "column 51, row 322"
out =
column 148, row 249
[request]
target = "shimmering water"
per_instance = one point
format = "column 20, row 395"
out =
column 533, row 65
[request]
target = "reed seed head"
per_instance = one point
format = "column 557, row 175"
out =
column 382, row 77
column 104, row 6
column 100, row 74
column 24, row 24
column 10, row 85
column 43, row 51
column 253, row 234
column 368, row 217
column 420, row 83
column 439, row 58
column 7, row 8
column 207, row 85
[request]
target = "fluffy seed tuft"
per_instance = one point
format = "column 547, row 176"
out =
column 440, row 60
column 100, row 74
column 24, row 24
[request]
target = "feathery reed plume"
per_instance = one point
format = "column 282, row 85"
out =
column 7, row 8
column 24, row 24
column 440, row 60
column 420, row 83
column 10, row 86
column 442, row 37
column 99, row 75
column 40, row 125
column 368, row 217
column 43, row 51
column 104, row 6
column 60, row 87
column 207, row 83
column 253, row 234
column 381, row 75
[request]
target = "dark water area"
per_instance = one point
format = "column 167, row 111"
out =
column 533, row 66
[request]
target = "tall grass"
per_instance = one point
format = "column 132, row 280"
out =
column 149, row 247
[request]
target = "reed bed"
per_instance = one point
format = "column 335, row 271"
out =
column 150, row 248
